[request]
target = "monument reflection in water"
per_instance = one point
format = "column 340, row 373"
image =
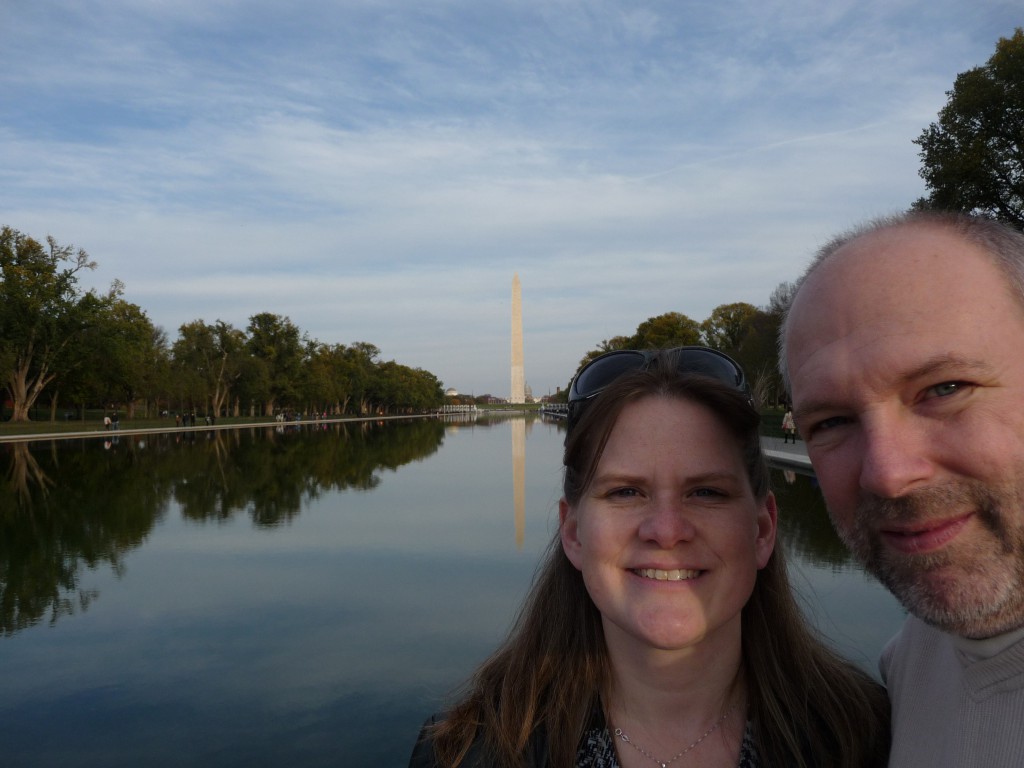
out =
column 293, row 596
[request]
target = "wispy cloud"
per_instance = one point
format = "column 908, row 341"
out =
column 378, row 170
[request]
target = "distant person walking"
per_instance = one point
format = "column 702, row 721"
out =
column 788, row 427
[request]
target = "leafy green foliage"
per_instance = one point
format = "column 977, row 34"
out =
column 728, row 326
column 63, row 513
column 672, row 329
column 973, row 157
column 94, row 350
column 743, row 331
column 42, row 313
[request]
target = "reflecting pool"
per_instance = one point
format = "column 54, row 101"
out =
column 294, row 596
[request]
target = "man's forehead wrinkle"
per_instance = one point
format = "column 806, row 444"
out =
column 846, row 335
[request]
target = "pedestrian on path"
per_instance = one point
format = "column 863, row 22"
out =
column 788, row 427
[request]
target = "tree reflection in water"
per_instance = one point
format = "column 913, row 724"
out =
column 276, row 597
column 804, row 520
column 79, row 504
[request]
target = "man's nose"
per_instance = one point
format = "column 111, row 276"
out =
column 895, row 456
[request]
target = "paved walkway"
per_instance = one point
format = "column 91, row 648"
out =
column 792, row 455
column 777, row 451
column 99, row 431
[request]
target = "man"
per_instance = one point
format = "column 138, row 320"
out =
column 904, row 353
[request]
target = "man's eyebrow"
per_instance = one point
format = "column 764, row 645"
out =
column 948, row 365
column 811, row 406
column 944, row 365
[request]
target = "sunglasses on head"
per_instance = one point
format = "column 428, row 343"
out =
column 596, row 375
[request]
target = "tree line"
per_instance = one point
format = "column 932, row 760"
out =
column 972, row 160
column 744, row 332
column 70, row 349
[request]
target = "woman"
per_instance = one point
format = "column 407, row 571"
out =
column 788, row 427
column 661, row 628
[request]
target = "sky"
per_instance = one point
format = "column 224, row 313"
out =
column 378, row 170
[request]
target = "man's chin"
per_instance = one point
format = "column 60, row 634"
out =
column 939, row 598
column 929, row 594
column 972, row 627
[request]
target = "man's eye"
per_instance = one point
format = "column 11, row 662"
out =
column 830, row 423
column 946, row 388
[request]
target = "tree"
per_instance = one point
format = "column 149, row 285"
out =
column 748, row 334
column 759, row 357
column 672, row 329
column 781, row 298
column 158, row 369
column 362, row 358
column 399, row 388
column 606, row 345
column 42, row 312
column 973, row 157
column 79, row 375
column 130, row 335
column 117, row 358
column 727, row 326
column 276, row 342
column 212, row 357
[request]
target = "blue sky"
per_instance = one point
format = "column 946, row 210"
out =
column 378, row 170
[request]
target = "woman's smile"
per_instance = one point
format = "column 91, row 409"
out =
column 659, row 574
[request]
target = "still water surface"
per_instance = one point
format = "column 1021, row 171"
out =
column 294, row 597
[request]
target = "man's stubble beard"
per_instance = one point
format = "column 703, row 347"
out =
column 972, row 588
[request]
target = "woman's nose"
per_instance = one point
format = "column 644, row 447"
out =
column 667, row 522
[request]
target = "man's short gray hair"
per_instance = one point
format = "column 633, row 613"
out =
column 1002, row 242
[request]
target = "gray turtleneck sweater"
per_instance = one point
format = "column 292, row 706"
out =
column 955, row 702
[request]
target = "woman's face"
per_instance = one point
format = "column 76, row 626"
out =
column 668, row 536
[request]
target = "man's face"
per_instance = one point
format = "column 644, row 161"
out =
column 906, row 358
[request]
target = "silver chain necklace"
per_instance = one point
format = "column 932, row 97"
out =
column 666, row 763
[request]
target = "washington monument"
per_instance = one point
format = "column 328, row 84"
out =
column 518, row 395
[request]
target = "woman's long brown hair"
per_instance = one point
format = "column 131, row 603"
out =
column 809, row 707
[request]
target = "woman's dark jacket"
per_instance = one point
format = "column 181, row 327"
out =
column 423, row 753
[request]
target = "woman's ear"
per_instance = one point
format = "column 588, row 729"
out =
column 767, row 527
column 568, row 531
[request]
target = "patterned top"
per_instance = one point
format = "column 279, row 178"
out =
column 597, row 749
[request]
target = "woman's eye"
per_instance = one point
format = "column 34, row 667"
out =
column 623, row 493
